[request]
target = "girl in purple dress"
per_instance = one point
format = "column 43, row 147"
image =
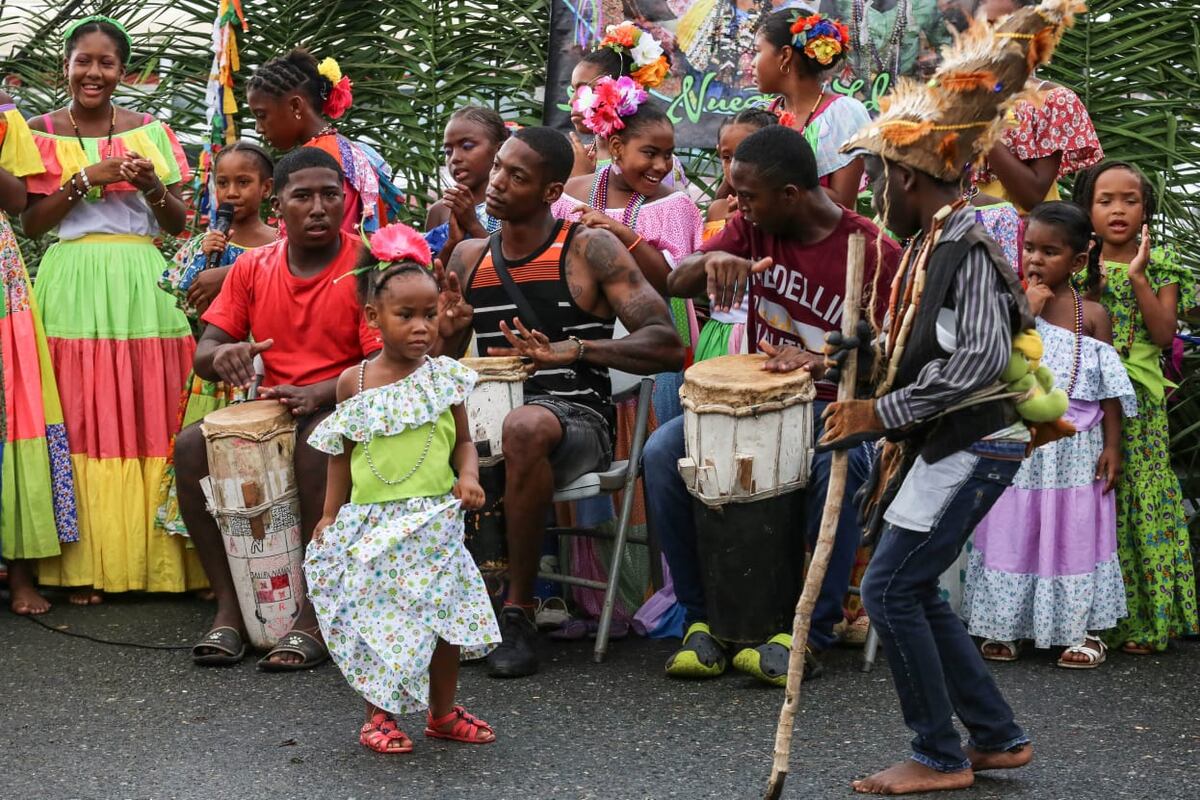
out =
column 1045, row 564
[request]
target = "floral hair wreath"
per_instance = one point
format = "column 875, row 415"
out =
column 821, row 38
column 605, row 102
column 340, row 96
column 649, row 59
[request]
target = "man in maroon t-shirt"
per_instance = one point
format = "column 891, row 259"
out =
column 308, row 327
column 788, row 248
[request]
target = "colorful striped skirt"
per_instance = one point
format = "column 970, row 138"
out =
column 37, row 506
column 121, row 351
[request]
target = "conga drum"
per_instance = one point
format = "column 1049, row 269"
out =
column 748, row 440
column 251, row 493
column 499, row 389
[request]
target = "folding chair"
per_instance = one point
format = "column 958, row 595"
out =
column 620, row 477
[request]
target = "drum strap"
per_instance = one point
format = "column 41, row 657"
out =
column 524, row 307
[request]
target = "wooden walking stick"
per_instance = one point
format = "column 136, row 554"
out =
column 855, row 254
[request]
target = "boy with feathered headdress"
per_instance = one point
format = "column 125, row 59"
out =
column 955, row 437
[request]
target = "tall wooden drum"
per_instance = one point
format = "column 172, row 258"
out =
column 748, row 438
column 499, row 389
column 251, row 493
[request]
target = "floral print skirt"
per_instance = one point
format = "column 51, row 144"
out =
column 388, row 580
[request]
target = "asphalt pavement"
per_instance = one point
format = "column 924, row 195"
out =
column 80, row 719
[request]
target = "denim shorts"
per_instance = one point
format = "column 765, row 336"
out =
column 586, row 444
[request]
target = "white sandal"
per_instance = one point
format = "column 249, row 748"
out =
column 1013, row 648
column 1095, row 655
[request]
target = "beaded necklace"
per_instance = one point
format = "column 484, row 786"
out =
column 362, row 371
column 112, row 126
column 1078, row 341
column 891, row 53
column 599, row 199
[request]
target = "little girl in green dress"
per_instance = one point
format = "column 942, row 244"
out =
column 393, row 585
column 1142, row 289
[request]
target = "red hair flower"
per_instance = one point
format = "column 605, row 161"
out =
column 339, row 100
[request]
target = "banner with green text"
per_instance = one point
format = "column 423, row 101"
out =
column 711, row 46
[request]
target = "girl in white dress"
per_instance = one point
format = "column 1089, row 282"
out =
column 393, row 585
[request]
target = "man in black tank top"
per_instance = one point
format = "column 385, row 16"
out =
column 576, row 282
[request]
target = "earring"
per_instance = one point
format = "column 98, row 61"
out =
column 297, row 115
column 787, row 69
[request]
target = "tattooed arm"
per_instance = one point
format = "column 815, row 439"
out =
column 652, row 344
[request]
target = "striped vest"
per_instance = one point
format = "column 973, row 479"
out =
column 542, row 278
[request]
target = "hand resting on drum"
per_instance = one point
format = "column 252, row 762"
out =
column 300, row 400
column 790, row 358
column 233, row 362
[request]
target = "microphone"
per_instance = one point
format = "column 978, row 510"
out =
column 220, row 224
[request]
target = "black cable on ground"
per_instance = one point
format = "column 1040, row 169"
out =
column 98, row 640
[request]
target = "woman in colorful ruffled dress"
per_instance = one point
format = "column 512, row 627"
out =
column 37, row 509
column 792, row 54
column 119, row 346
column 242, row 175
column 290, row 98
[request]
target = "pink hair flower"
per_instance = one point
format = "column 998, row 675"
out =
column 399, row 242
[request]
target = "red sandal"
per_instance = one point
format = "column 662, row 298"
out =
column 466, row 728
column 381, row 732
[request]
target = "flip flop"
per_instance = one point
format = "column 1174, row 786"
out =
column 228, row 643
column 310, row 649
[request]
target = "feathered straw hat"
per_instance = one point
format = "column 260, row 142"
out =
column 942, row 126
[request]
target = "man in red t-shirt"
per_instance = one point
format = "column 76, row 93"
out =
column 308, row 327
column 787, row 247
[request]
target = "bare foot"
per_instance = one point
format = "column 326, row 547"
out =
column 205, row 595
column 1005, row 759
column 1137, row 649
column 87, row 597
column 909, row 777
column 25, row 598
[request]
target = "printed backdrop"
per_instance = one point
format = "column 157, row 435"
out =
column 711, row 43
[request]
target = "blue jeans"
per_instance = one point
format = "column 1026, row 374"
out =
column 669, row 508
column 936, row 667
